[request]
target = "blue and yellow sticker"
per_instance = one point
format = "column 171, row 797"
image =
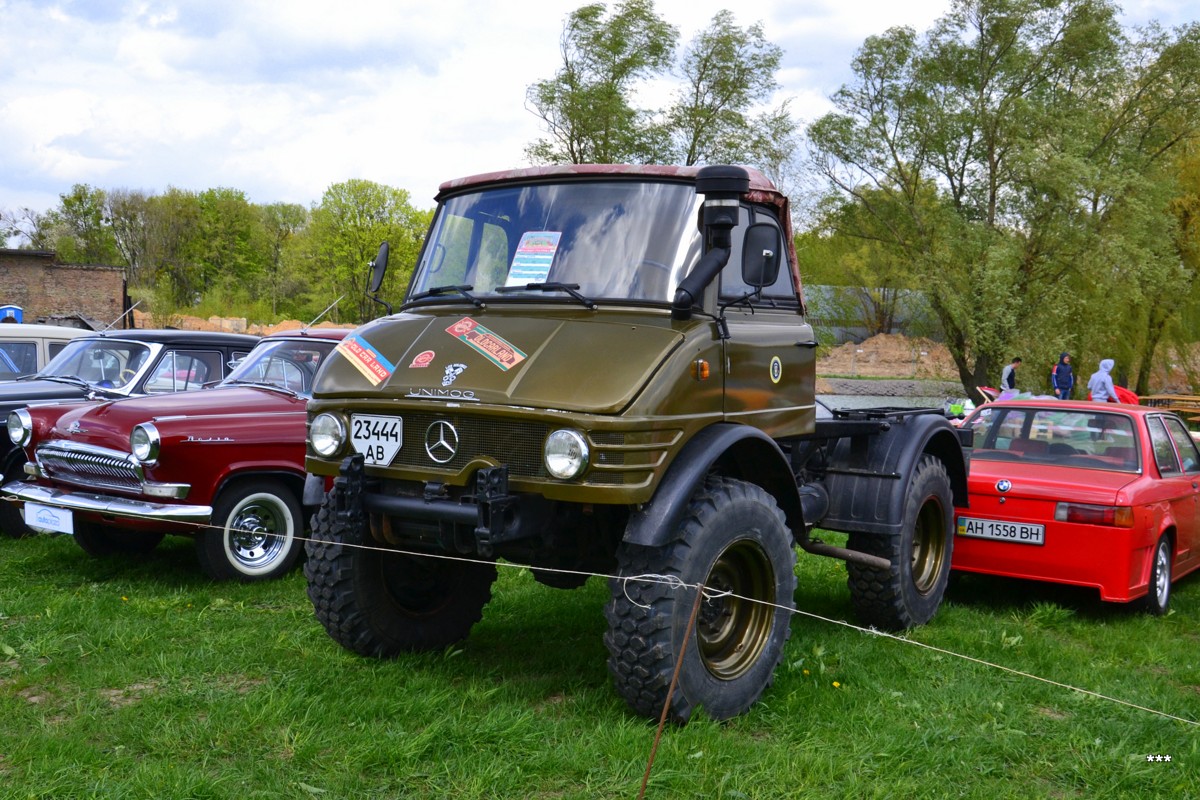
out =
column 776, row 369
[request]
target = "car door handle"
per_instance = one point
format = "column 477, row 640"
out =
column 813, row 343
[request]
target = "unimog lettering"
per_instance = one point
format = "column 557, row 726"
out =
column 660, row 421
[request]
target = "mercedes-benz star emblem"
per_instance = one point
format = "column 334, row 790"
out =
column 441, row 441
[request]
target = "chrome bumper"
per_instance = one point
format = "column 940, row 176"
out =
column 107, row 504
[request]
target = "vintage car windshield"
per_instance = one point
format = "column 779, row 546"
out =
column 287, row 364
column 103, row 363
column 621, row 240
column 1069, row 438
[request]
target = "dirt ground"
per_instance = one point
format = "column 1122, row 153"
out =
column 890, row 355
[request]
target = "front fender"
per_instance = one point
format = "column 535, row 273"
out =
column 738, row 451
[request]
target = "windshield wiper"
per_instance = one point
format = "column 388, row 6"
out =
column 570, row 288
column 464, row 289
column 70, row 380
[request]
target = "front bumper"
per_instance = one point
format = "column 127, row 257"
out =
column 108, row 505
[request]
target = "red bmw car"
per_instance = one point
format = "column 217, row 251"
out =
column 1104, row 495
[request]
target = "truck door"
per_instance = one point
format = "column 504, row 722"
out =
column 770, row 355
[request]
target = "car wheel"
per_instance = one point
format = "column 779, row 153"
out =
column 733, row 540
column 911, row 590
column 252, row 536
column 101, row 540
column 1158, row 600
column 380, row 602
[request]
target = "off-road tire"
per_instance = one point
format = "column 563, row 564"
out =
column 733, row 539
column 381, row 603
column 1158, row 600
column 910, row 592
column 254, row 533
column 101, row 540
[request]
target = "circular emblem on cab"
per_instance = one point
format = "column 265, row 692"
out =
column 441, row 441
column 776, row 369
column 1003, row 485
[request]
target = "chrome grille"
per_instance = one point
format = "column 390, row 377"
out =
column 89, row 466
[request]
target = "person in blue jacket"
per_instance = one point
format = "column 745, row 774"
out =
column 1062, row 378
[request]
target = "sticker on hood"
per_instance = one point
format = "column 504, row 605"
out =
column 366, row 359
column 501, row 353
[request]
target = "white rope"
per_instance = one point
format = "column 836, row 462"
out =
column 676, row 583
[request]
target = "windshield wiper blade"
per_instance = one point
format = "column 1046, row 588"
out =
column 70, row 380
column 570, row 288
column 463, row 288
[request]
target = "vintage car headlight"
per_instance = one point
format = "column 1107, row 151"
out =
column 327, row 434
column 566, row 454
column 20, row 427
column 144, row 442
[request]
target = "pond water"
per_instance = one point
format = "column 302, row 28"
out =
column 878, row 400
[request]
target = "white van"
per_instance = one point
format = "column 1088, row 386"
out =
column 25, row 349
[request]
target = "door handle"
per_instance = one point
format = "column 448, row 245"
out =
column 813, row 343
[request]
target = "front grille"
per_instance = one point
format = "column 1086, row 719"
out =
column 517, row 444
column 89, row 466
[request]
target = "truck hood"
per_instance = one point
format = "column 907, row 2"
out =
column 205, row 411
column 574, row 361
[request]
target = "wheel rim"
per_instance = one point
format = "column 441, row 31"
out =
column 417, row 586
column 1162, row 574
column 258, row 533
column 731, row 630
column 929, row 546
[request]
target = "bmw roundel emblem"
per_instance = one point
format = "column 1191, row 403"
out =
column 1003, row 485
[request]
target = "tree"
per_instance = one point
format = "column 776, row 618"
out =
column 586, row 106
column 280, row 224
column 127, row 212
column 727, row 70
column 347, row 228
column 1039, row 125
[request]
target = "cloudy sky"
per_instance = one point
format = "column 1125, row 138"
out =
column 282, row 99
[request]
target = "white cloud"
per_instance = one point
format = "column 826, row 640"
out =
column 283, row 99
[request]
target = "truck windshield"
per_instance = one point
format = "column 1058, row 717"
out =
column 622, row 240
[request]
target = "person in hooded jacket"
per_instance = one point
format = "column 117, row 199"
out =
column 1101, row 383
column 1062, row 378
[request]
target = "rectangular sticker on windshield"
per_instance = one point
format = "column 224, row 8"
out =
column 497, row 350
column 535, row 253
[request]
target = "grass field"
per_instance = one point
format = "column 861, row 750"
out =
column 138, row 678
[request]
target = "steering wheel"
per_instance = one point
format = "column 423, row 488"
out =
column 128, row 374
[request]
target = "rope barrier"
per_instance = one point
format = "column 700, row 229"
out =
column 677, row 584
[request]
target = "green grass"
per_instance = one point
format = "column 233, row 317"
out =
column 124, row 678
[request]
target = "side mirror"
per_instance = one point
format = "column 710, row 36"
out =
column 762, row 252
column 378, row 268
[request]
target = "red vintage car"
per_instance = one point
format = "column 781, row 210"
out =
column 1104, row 495
column 224, row 465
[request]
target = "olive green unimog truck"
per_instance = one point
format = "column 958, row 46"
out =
column 608, row 369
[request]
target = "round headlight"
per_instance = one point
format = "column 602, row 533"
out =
column 20, row 427
column 327, row 434
column 566, row 454
column 144, row 442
